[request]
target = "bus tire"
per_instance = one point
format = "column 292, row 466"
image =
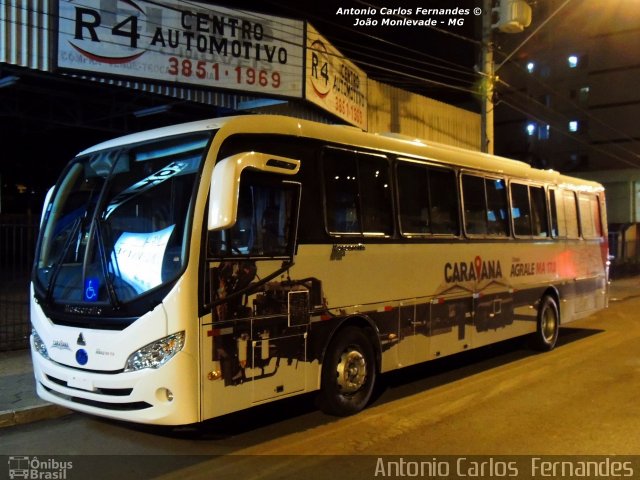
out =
column 348, row 373
column 548, row 325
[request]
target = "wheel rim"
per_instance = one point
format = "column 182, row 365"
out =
column 549, row 325
column 351, row 371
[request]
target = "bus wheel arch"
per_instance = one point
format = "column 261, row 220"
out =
column 350, row 367
column 547, row 322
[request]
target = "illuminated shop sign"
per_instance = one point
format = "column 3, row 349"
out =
column 333, row 82
column 183, row 41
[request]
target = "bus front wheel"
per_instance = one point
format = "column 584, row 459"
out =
column 548, row 327
column 348, row 373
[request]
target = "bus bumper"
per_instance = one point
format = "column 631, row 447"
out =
column 163, row 396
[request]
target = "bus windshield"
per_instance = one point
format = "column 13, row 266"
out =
column 116, row 226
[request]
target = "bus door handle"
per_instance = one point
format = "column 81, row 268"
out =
column 339, row 250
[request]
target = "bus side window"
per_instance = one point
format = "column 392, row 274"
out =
column 485, row 206
column 443, row 201
column 529, row 210
column 341, row 191
column 413, row 198
column 375, row 194
column 428, row 200
column 590, row 216
column 556, row 206
column 497, row 215
column 520, row 211
column 571, row 214
column 475, row 217
column 538, row 211
column 597, row 217
column 264, row 220
column 357, row 192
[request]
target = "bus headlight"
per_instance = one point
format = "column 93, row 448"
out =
column 155, row 354
column 38, row 344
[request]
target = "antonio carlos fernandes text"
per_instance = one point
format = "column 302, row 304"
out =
column 538, row 468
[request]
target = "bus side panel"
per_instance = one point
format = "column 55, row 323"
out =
column 250, row 361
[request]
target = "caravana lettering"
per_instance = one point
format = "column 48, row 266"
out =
column 474, row 271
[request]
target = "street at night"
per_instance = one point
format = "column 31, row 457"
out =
column 342, row 240
column 504, row 400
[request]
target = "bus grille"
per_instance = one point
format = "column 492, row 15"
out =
column 117, row 392
column 97, row 404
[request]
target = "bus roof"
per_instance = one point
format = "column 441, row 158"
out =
column 352, row 136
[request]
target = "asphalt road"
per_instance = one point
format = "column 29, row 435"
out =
column 503, row 403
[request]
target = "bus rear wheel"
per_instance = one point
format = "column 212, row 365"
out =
column 348, row 373
column 548, row 327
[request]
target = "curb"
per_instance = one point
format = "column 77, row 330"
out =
column 26, row 415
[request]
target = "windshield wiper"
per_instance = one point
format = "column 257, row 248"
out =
column 58, row 265
column 104, row 264
column 95, row 232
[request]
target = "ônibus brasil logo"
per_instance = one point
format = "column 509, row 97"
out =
column 473, row 271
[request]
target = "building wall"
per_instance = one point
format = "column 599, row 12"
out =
column 25, row 27
column 601, row 93
column 393, row 110
column 25, row 34
column 622, row 188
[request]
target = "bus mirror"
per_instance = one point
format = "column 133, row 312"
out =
column 225, row 183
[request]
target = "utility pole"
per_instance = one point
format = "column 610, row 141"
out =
column 513, row 16
column 486, row 127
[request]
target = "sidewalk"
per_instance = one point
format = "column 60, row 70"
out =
column 19, row 403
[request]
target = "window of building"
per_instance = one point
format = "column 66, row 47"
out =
column 545, row 100
column 544, row 132
column 428, row 200
column 545, row 71
column 577, row 61
column 583, row 95
column 578, row 126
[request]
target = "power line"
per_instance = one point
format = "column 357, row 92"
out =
column 538, row 28
column 397, row 73
column 572, row 137
column 436, row 29
column 565, row 117
column 453, row 65
column 559, row 96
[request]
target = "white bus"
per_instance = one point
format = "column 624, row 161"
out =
column 192, row 271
